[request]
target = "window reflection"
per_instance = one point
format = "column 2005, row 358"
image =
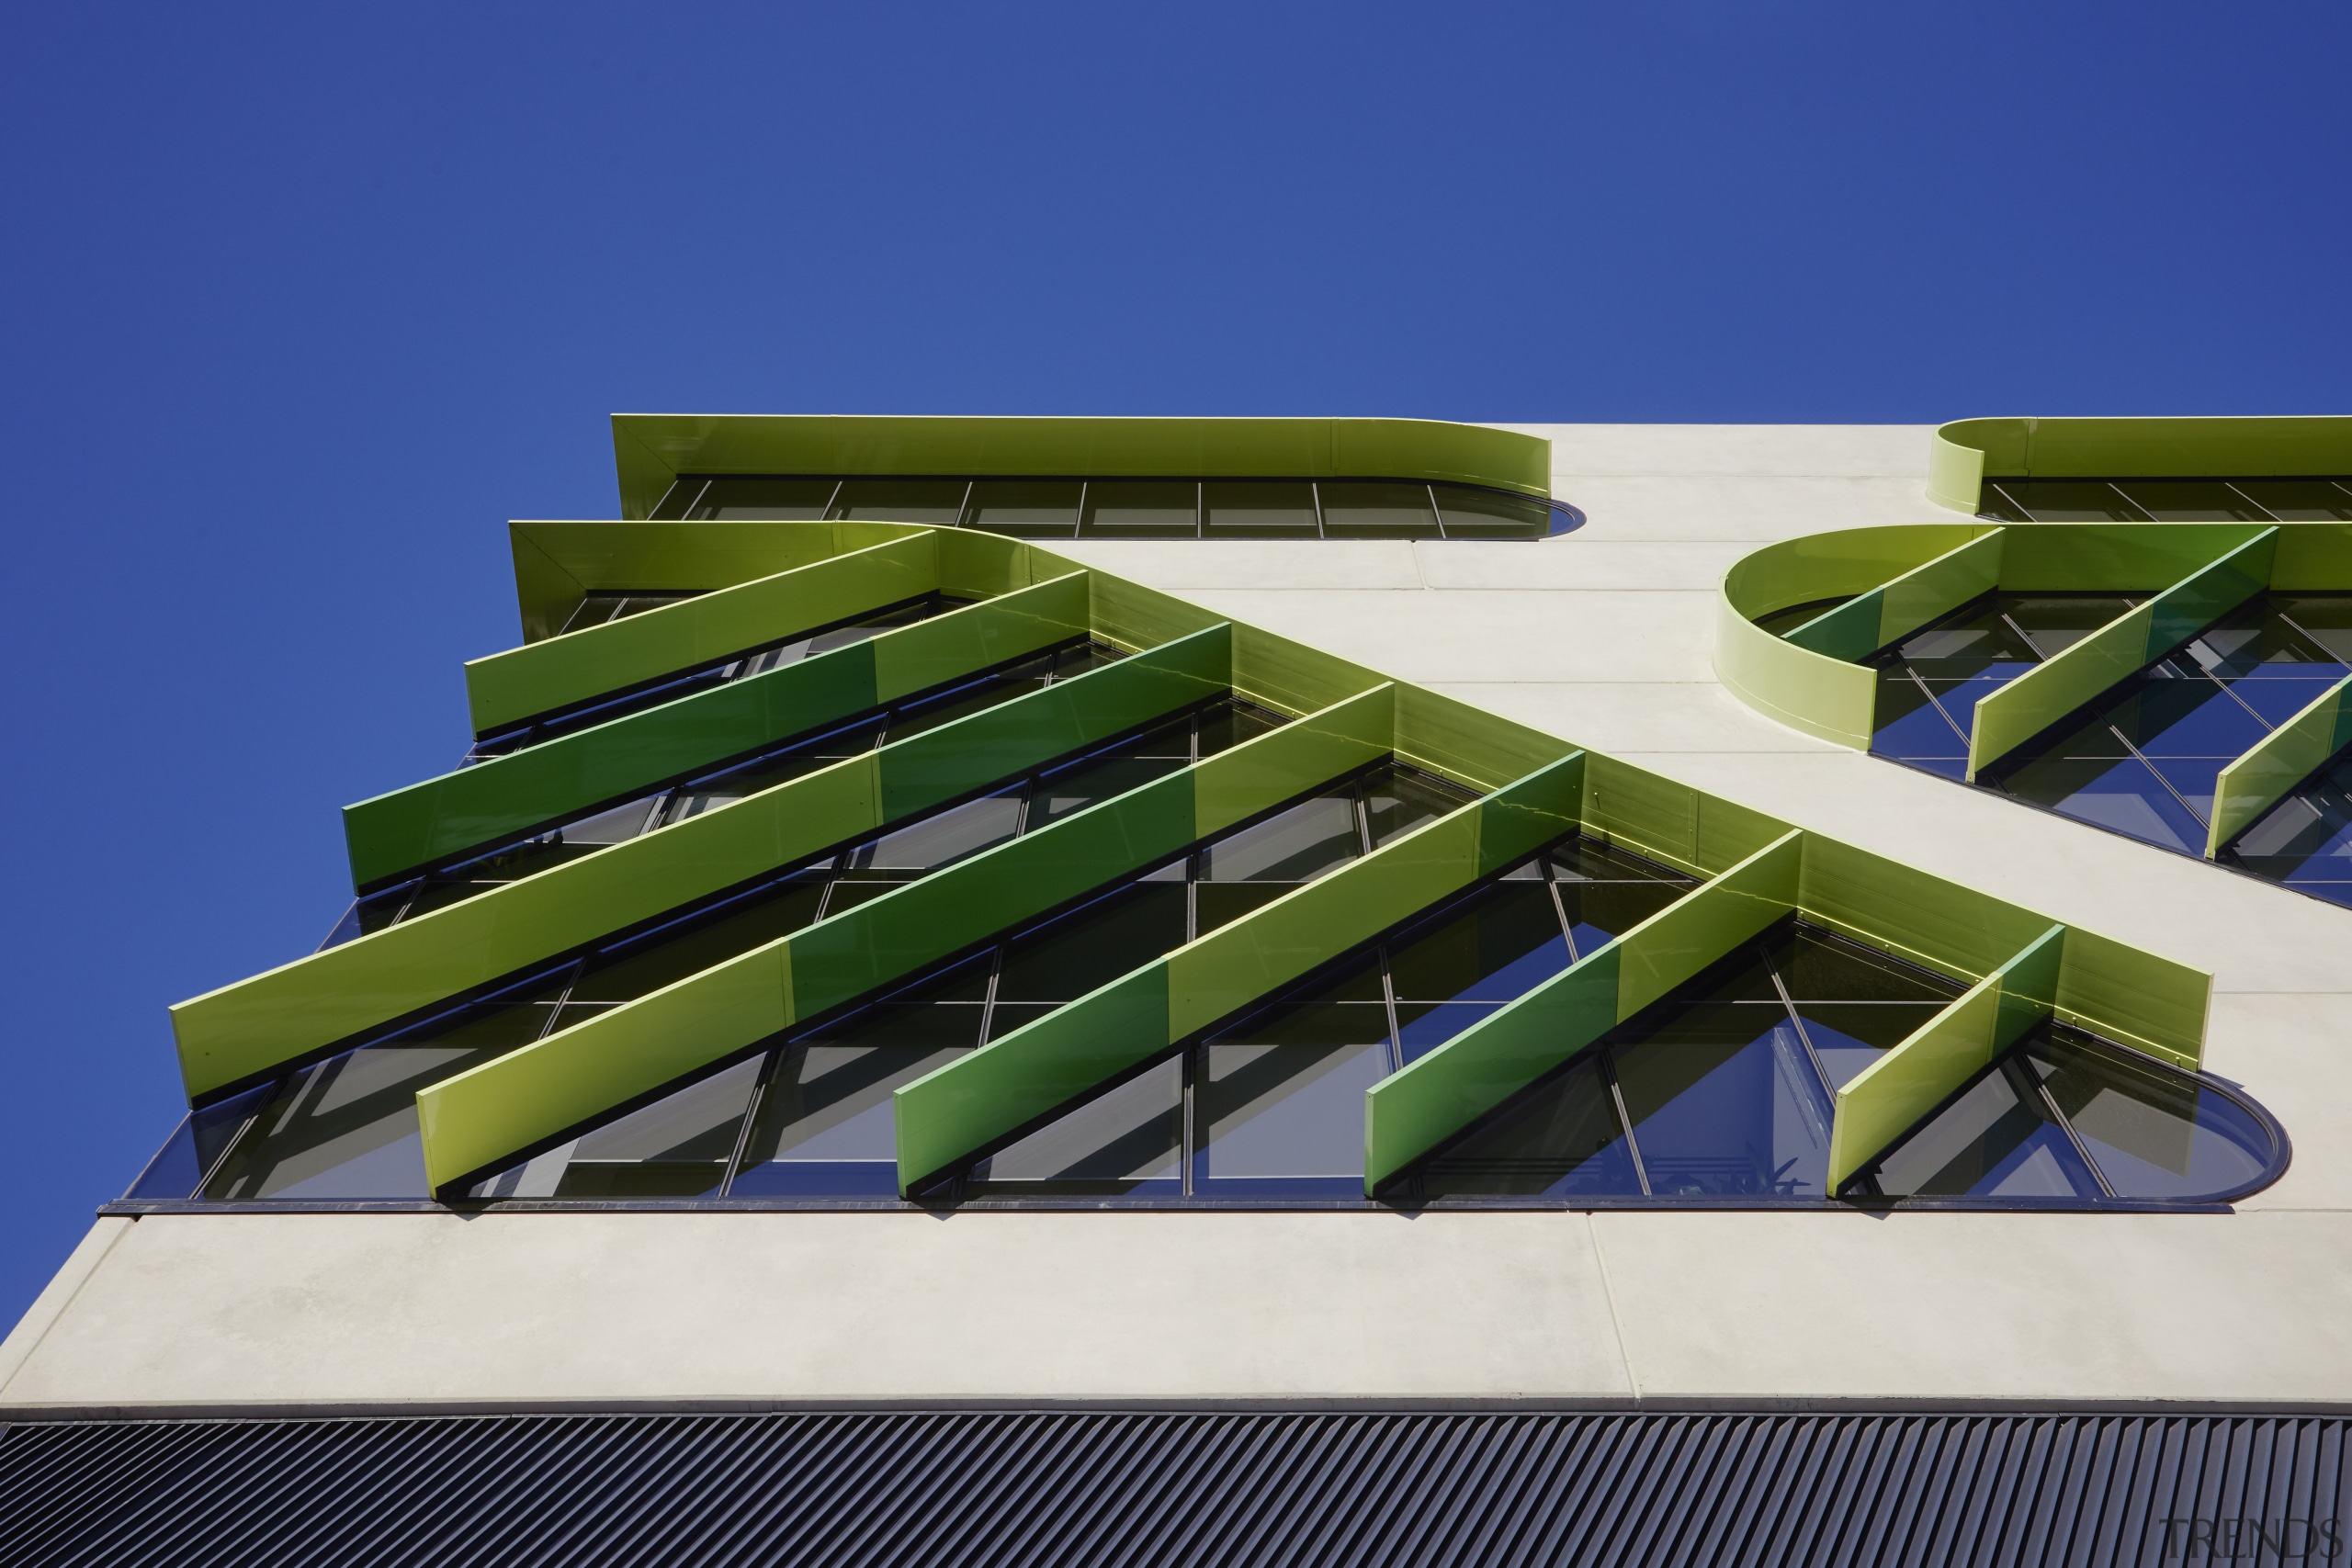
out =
column 1139, row 507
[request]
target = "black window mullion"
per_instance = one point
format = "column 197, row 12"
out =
column 1395, row 1026
column 1559, row 906
column 1189, row 1138
column 1804, row 1036
column 750, row 1116
column 964, row 507
column 1608, row 1063
column 2115, row 730
column 1933, row 701
column 833, row 501
column 2250, row 501
column 987, row 997
column 1314, row 493
column 2050, row 1104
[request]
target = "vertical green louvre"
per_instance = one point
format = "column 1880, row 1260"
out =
column 765, row 582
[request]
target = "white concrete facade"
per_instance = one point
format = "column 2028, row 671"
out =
column 1604, row 638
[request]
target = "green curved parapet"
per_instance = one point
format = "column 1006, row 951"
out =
column 396, row 834
column 2280, row 762
column 1821, row 693
column 1963, row 454
column 652, row 449
column 1896, row 580
column 230, row 1035
column 499, row 1108
column 538, row 678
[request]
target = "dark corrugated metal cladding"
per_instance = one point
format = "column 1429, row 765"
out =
column 861, row 1489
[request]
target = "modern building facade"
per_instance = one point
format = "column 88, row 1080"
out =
column 1366, row 990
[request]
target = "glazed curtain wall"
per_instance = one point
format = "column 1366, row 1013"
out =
column 1532, row 789
column 1894, row 581
column 652, row 451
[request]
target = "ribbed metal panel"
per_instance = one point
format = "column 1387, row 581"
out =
column 1032, row 1488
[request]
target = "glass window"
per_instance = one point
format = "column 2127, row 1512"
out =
column 2301, row 501
column 1317, row 836
column 2305, row 841
column 902, row 501
column 2071, row 500
column 1562, row 1138
column 2191, row 500
column 1995, row 1140
column 1491, row 514
column 1283, row 1101
column 2150, row 1134
column 1781, row 623
column 679, row 1146
column 1367, row 511
column 203, row 1136
column 1275, row 509
column 346, row 1128
column 1142, row 509
column 1127, row 1142
column 777, row 499
column 1043, row 509
column 825, row 1126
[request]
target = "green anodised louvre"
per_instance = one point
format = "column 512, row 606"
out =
column 953, row 1112
column 228, row 1035
column 2278, row 762
column 1412, row 1113
column 497, row 800
column 1537, row 788
column 538, row 678
column 652, row 451
column 1893, row 1094
column 2046, row 694
column 503, row 1107
column 558, row 564
column 2131, row 997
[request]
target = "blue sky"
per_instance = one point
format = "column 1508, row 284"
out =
column 299, row 305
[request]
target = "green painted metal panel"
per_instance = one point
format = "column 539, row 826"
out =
column 950, row 1113
column 1886, row 1099
column 1826, row 698
column 946, row 646
column 2149, row 448
column 1237, row 965
column 479, row 1117
column 1290, row 677
column 546, row 594
column 568, row 560
column 1692, row 932
column 651, row 450
column 541, row 677
column 962, row 1107
column 2134, row 998
column 2278, row 762
column 2313, row 557
column 1130, row 616
column 2066, row 557
column 2049, row 692
column 395, row 833
column 1955, row 472
column 231, row 1033
column 1412, row 1113
column 1466, row 744
column 1916, row 915
column 935, row 766
column 1823, row 695
column 1338, row 739
column 833, row 961
column 1669, row 820
column 1887, row 615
